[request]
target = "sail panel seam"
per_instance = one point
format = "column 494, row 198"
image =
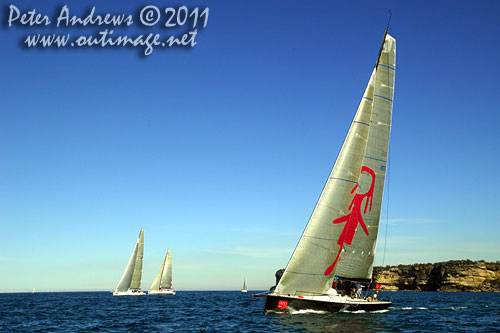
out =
column 329, row 239
column 347, row 180
column 359, row 122
column 386, row 98
column 306, row 273
column 376, row 159
column 387, row 66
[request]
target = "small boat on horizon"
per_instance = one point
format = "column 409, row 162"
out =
column 244, row 289
column 335, row 254
column 130, row 283
column 162, row 284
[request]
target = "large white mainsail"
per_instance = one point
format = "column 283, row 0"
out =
column 163, row 279
column 340, row 236
column 131, row 278
column 357, row 260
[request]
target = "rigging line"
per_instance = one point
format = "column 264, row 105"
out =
column 388, row 168
column 387, row 207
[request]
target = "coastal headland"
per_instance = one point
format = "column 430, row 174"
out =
column 453, row 275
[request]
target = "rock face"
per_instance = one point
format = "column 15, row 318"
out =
column 455, row 275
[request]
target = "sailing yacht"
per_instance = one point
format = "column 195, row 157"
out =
column 130, row 283
column 162, row 284
column 335, row 253
column 244, row 289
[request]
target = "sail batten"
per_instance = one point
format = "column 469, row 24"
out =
column 340, row 236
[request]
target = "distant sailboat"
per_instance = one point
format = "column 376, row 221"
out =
column 130, row 283
column 244, row 289
column 162, row 284
column 335, row 254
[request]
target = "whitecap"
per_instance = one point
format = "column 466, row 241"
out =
column 307, row 311
column 458, row 307
column 411, row 308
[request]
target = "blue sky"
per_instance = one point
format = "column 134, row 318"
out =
column 220, row 151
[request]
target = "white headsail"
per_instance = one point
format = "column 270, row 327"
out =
column 166, row 278
column 163, row 279
column 131, row 278
column 340, row 236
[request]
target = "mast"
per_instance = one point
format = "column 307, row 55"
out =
column 383, row 39
column 382, row 46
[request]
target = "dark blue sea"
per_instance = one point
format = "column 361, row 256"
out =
column 232, row 311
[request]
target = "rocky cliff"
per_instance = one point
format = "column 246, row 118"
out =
column 455, row 275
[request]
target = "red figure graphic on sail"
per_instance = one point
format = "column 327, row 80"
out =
column 354, row 217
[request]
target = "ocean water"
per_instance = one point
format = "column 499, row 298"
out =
column 232, row 311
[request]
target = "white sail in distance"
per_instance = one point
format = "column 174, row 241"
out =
column 163, row 279
column 340, row 236
column 131, row 278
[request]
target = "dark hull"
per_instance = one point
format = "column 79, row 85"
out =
column 281, row 304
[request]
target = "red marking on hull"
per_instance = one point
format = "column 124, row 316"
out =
column 354, row 217
column 282, row 304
